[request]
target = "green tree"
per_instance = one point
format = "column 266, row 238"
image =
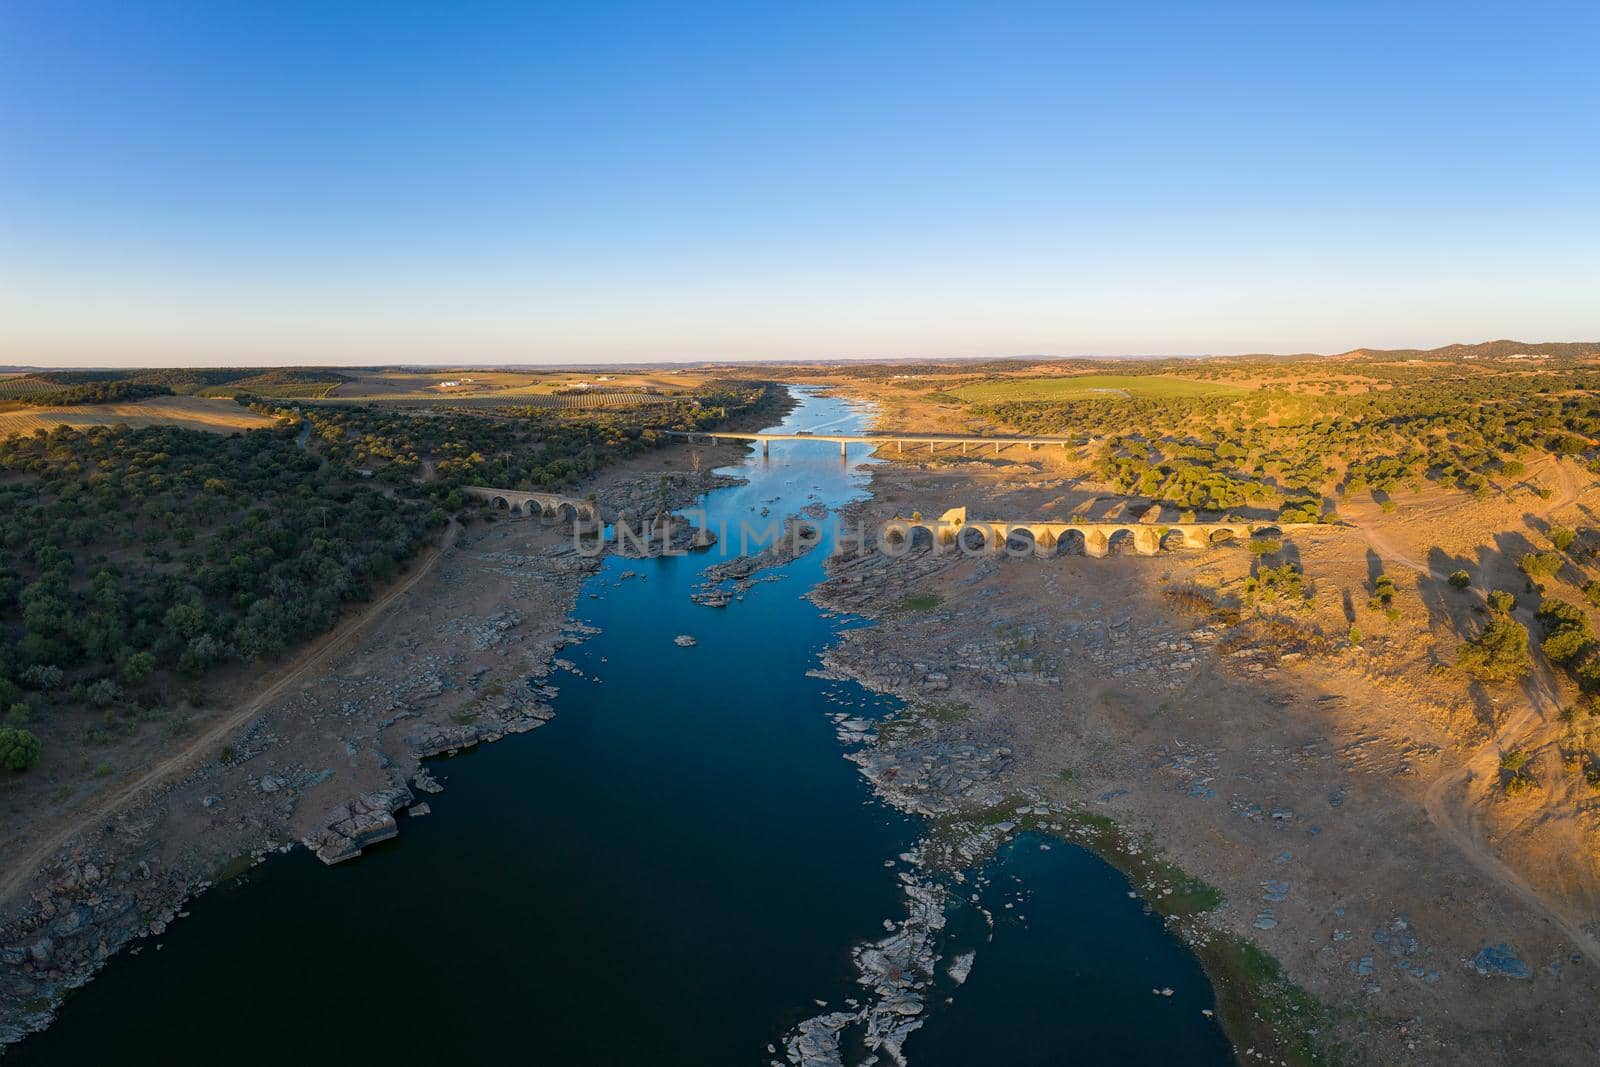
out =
column 1498, row 654
column 1539, row 564
column 19, row 750
column 137, row 667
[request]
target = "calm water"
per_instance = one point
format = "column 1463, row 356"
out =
column 672, row 871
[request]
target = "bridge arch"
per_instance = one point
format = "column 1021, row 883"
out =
column 1021, row 541
column 1071, row 542
column 975, row 537
column 1120, row 541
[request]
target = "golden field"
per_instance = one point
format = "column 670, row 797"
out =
column 193, row 412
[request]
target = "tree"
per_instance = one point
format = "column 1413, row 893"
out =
column 1460, row 579
column 19, row 750
column 1498, row 654
column 1502, row 601
column 1565, row 644
column 137, row 667
column 1562, row 537
column 1539, row 564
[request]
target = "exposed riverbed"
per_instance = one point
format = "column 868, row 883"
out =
column 680, row 868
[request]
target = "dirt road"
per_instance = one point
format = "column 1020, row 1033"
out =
column 21, row 868
column 1448, row 799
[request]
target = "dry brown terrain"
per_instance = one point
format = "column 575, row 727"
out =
column 1346, row 797
column 214, row 415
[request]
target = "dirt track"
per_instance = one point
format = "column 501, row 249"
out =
column 51, row 837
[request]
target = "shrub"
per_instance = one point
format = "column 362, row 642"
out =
column 1564, row 645
column 1498, row 654
column 1265, row 546
column 19, row 750
column 1539, row 564
column 1591, row 592
column 1515, row 777
column 1460, row 579
column 1556, row 614
column 1568, row 630
column 137, row 667
column 104, row 693
column 1300, row 511
column 1588, row 673
column 1285, row 582
column 42, row 676
column 1502, row 601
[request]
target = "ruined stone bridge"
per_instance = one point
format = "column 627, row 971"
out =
column 551, row 507
column 1056, row 538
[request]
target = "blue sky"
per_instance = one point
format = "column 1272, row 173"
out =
column 394, row 182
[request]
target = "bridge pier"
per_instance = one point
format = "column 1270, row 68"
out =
column 766, row 448
column 843, row 450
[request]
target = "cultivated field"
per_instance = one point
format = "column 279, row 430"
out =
column 17, row 386
column 503, row 385
column 191, row 412
column 1088, row 387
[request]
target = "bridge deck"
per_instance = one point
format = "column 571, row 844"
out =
column 879, row 438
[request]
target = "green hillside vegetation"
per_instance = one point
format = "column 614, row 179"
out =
column 183, row 381
column 1471, row 430
column 134, row 562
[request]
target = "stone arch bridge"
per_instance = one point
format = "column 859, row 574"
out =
column 551, row 507
column 1055, row 538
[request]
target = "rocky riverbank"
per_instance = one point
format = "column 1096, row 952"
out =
column 731, row 579
column 1238, row 786
column 335, row 763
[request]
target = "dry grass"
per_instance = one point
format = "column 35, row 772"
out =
column 192, row 412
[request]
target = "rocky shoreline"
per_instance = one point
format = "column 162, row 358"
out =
column 935, row 760
column 469, row 667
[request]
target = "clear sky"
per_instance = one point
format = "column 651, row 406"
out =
column 222, row 182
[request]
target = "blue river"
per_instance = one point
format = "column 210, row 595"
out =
column 672, row 871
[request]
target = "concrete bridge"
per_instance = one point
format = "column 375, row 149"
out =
column 877, row 440
column 1055, row 538
column 551, row 507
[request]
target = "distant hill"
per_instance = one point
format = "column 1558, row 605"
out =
column 1485, row 350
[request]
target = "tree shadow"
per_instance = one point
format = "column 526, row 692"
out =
column 1442, row 601
column 1484, row 709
